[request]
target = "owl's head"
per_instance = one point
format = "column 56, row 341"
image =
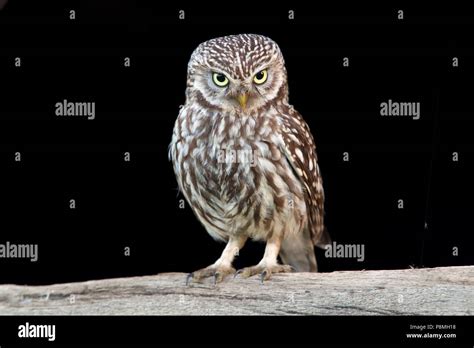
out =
column 237, row 73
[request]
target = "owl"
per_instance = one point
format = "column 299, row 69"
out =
column 245, row 159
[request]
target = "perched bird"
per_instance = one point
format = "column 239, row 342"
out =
column 245, row 159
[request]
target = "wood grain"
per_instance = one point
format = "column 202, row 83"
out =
column 428, row 291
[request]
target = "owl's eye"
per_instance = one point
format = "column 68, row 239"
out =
column 220, row 79
column 260, row 77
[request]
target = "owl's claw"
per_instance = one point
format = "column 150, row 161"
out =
column 265, row 272
column 262, row 276
column 216, row 278
column 188, row 278
column 218, row 274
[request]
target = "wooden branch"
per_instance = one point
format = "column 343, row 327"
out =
column 428, row 291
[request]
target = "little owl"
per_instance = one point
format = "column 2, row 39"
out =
column 245, row 159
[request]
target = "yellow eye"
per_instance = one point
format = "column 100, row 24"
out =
column 220, row 79
column 260, row 77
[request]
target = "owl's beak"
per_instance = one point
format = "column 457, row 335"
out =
column 242, row 99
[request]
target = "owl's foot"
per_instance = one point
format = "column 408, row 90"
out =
column 217, row 272
column 265, row 271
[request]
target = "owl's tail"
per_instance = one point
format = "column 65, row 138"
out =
column 298, row 250
column 324, row 239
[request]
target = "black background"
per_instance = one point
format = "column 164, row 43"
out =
column 161, row 330
column 135, row 203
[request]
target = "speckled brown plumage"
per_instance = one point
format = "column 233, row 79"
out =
column 245, row 159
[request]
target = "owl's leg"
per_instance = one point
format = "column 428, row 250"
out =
column 269, row 263
column 223, row 266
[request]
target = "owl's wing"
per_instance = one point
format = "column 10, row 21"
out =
column 300, row 151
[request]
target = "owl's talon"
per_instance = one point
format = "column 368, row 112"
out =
column 263, row 276
column 188, row 278
column 216, row 278
column 218, row 273
column 265, row 272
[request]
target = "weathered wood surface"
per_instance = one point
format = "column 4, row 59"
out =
column 428, row 291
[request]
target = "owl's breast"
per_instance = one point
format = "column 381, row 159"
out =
column 234, row 176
